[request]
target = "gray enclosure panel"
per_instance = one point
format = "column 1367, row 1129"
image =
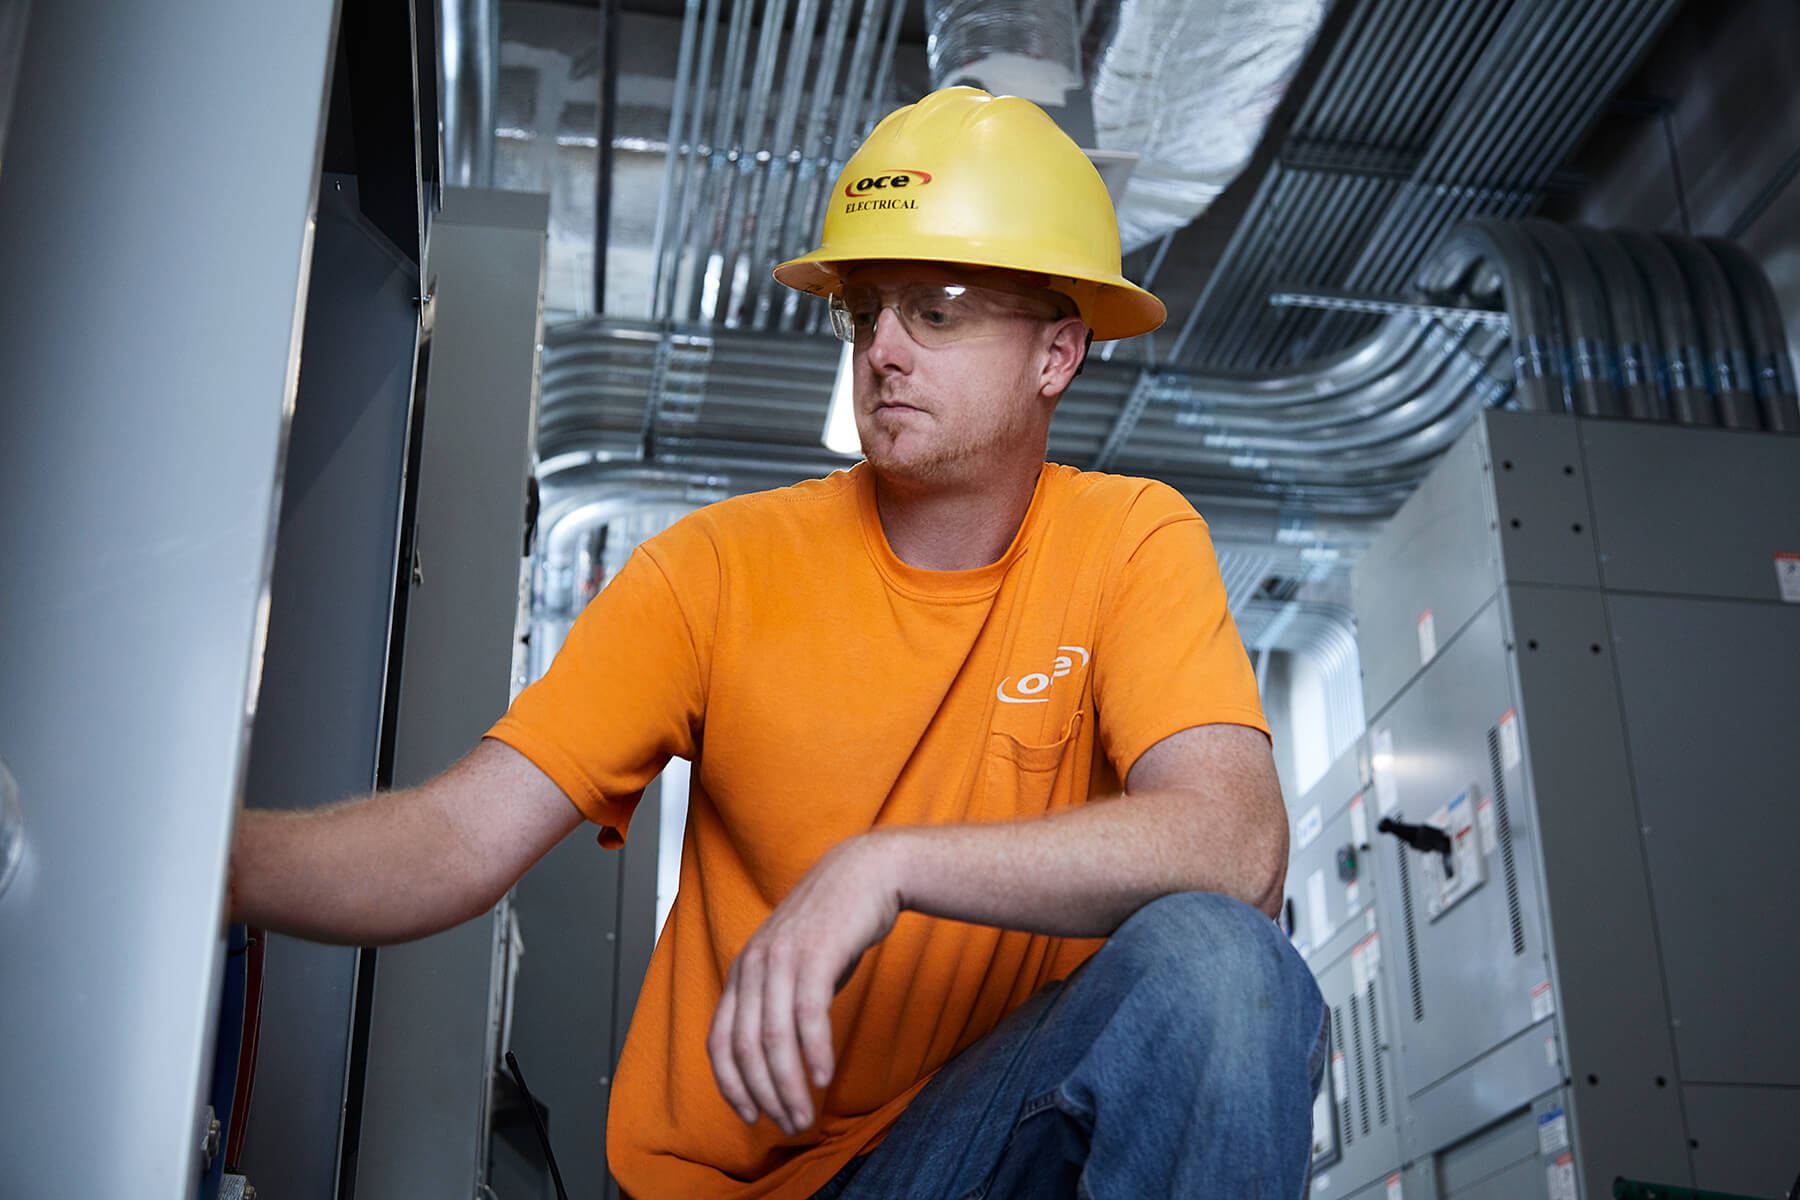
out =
column 149, row 308
column 424, row 1128
column 1474, row 989
column 1367, row 1109
column 1493, row 1163
column 1540, row 503
column 1609, row 987
column 1749, row 1138
column 1349, row 915
column 1714, row 708
column 1697, row 512
column 1436, row 553
column 317, row 731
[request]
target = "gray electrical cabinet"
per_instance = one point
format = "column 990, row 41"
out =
column 1330, row 915
column 1579, row 642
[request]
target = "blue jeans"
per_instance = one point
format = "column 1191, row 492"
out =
column 1181, row 1060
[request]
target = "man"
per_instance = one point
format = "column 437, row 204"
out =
column 911, row 692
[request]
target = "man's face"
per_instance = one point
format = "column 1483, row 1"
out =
column 948, row 412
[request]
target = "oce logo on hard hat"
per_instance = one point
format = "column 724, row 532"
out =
column 870, row 184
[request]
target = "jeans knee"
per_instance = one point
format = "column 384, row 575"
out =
column 1223, row 960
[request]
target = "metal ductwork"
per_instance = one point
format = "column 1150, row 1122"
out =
column 1423, row 115
column 469, row 61
column 1189, row 87
column 746, row 176
column 1306, row 461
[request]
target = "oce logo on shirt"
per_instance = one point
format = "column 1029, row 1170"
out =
column 1031, row 688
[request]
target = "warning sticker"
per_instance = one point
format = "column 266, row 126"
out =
column 1359, row 821
column 1427, row 636
column 1542, row 1002
column 1490, row 830
column 1363, row 959
column 1317, row 915
column 1352, row 899
column 1553, row 1132
column 1340, row 1078
column 1509, row 738
column 1561, row 1177
column 1307, row 828
column 1787, row 576
column 1393, row 1188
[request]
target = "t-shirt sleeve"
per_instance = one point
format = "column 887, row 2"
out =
column 1168, row 656
column 624, row 694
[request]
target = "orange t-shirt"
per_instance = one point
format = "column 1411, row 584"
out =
column 821, row 686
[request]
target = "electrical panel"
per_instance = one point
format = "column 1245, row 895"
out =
column 1577, row 641
column 1331, row 917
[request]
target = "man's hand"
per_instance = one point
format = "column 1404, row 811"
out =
column 773, row 1026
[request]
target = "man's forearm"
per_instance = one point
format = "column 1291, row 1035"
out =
column 372, row 872
column 1080, row 873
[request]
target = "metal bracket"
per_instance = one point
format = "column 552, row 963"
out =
column 1363, row 302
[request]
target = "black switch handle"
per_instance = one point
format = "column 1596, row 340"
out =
column 1427, row 839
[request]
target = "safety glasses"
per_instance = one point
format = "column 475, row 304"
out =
column 936, row 314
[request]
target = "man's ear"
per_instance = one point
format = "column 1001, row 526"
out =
column 1065, row 355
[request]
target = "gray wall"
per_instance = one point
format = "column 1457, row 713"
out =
column 154, row 226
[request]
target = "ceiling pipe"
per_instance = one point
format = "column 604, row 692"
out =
column 470, row 63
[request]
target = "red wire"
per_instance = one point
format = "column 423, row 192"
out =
column 246, row 1072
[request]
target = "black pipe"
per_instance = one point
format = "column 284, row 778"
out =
column 603, row 168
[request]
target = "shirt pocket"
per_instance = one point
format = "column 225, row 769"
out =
column 1019, row 779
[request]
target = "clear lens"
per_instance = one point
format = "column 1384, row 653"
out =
column 933, row 314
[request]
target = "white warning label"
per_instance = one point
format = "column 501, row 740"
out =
column 1542, row 1002
column 1359, row 821
column 1553, row 1132
column 1427, row 636
column 1509, row 738
column 1787, row 576
column 1561, row 1177
column 1317, row 915
column 1393, row 1188
column 1307, row 828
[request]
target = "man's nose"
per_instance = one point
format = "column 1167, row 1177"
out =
column 890, row 345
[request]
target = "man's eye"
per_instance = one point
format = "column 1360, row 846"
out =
column 864, row 318
column 937, row 317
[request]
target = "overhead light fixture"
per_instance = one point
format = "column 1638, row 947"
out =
column 840, row 435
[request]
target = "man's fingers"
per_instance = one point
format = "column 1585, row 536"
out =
column 724, row 1062
column 746, row 1039
column 780, row 1046
column 812, row 1017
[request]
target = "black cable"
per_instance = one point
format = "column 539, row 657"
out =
column 537, row 1122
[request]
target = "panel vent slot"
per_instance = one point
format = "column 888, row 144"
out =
column 1381, row 1107
column 1338, row 1046
column 1362, row 1062
column 1503, row 830
column 1412, row 934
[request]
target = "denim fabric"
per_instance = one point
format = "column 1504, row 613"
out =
column 1180, row 1061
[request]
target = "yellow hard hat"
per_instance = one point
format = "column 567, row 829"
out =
column 970, row 179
